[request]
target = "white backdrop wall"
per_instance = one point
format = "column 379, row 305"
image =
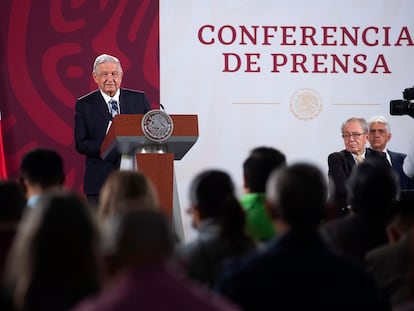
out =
column 296, row 108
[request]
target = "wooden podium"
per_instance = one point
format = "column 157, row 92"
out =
column 154, row 159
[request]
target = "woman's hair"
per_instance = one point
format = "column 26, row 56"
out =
column 125, row 190
column 57, row 246
column 212, row 194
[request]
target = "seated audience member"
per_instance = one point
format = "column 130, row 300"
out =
column 372, row 190
column 379, row 135
column 41, row 172
column 298, row 271
column 220, row 221
column 124, row 190
column 340, row 164
column 12, row 205
column 392, row 264
column 256, row 169
column 55, row 258
column 139, row 244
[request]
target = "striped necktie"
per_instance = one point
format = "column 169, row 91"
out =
column 359, row 158
column 114, row 107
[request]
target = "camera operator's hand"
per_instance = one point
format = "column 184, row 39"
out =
column 408, row 165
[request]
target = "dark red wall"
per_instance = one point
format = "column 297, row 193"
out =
column 47, row 49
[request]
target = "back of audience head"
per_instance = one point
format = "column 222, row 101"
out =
column 12, row 201
column 138, row 237
column 57, row 242
column 212, row 195
column 43, row 168
column 402, row 216
column 297, row 195
column 124, row 190
column 258, row 166
column 372, row 189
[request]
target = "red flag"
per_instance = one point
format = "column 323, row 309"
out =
column 3, row 169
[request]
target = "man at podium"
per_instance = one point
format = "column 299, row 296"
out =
column 93, row 114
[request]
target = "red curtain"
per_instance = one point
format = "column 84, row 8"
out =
column 47, row 49
column 3, row 170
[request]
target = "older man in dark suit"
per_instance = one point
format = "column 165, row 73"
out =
column 340, row 164
column 94, row 111
column 379, row 135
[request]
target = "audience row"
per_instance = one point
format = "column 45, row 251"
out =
column 288, row 243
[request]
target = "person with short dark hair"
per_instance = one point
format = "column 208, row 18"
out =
column 257, row 167
column 42, row 171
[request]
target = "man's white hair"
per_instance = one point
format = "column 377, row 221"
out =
column 106, row 58
column 380, row 119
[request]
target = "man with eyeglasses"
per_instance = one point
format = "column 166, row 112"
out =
column 93, row 113
column 340, row 164
column 379, row 135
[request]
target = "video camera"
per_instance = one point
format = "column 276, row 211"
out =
column 404, row 106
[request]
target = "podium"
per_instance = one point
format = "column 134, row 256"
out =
column 154, row 159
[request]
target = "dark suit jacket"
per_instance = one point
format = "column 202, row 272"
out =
column 355, row 234
column 340, row 165
column 91, row 121
column 397, row 160
column 298, row 271
column 391, row 265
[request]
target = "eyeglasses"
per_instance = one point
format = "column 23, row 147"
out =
column 354, row 135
